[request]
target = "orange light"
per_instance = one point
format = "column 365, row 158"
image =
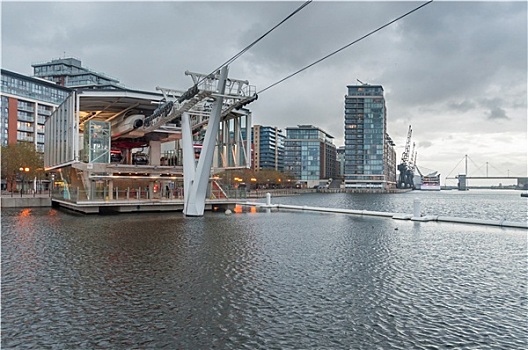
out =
column 253, row 179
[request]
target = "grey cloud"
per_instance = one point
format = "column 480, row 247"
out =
column 497, row 113
column 425, row 144
column 463, row 106
column 442, row 68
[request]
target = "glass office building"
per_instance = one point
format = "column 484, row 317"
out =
column 370, row 158
column 268, row 148
column 310, row 154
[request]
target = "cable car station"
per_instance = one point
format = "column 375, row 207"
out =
column 121, row 150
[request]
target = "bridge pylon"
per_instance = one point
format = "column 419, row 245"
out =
column 196, row 175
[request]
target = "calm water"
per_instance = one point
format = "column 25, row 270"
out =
column 268, row 280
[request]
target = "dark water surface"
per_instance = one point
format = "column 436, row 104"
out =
column 266, row 280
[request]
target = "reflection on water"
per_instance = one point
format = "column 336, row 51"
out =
column 258, row 280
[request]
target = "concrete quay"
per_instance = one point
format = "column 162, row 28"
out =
column 25, row 201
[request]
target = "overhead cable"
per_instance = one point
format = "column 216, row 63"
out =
column 232, row 59
column 346, row 46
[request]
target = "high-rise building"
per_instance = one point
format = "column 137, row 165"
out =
column 310, row 154
column 26, row 104
column 370, row 158
column 28, row 101
column 70, row 72
column 268, row 148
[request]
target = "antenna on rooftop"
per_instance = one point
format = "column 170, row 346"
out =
column 362, row 83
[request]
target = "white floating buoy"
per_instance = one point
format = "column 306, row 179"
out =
column 228, row 212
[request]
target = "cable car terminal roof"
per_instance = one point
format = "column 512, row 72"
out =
column 114, row 105
column 107, row 104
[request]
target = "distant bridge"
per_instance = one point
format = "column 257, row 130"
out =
column 522, row 182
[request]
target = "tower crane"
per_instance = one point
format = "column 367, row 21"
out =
column 413, row 154
column 405, row 180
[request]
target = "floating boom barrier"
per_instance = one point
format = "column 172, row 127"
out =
column 416, row 216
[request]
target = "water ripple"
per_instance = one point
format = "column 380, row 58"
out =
column 280, row 280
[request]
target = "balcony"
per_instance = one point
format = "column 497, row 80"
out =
column 26, row 107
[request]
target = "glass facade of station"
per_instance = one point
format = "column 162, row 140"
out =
column 96, row 142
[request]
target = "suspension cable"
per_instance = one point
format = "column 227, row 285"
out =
column 346, row 46
column 232, row 59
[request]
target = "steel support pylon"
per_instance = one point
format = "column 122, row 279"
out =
column 196, row 176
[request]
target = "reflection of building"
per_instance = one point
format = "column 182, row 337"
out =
column 268, row 148
column 26, row 104
column 370, row 158
column 310, row 154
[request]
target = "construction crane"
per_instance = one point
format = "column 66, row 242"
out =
column 412, row 162
column 405, row 179
column 362, row 83
column 416, row 165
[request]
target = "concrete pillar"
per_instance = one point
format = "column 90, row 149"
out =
column 151, row 190
column 462, row 182
column 154, row 152
column 110, row 189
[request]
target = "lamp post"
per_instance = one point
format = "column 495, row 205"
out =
column 24, row 171
column 237, row 183
column 39, row 180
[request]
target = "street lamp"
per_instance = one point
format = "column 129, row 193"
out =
column 24, row 171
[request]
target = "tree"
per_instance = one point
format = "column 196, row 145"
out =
column 20, row 155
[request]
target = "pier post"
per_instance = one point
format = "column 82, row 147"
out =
column 416, row 208
column 268, row 199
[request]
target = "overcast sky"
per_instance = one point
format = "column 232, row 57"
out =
column 455, row 71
